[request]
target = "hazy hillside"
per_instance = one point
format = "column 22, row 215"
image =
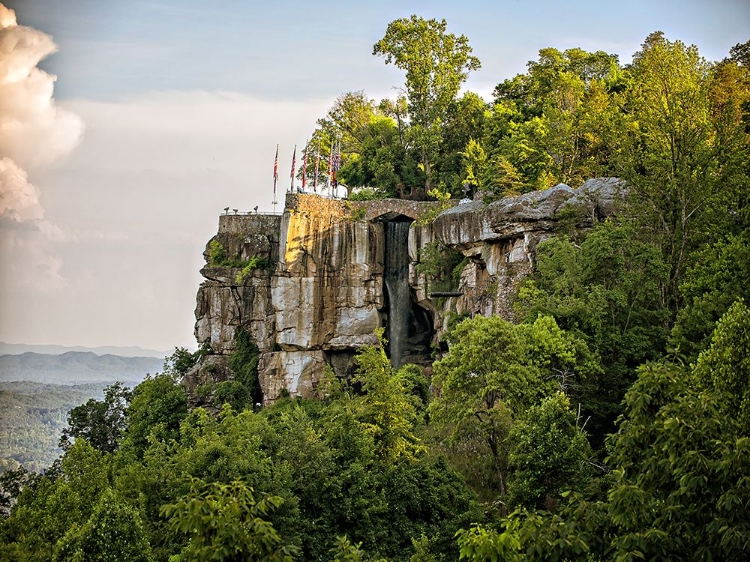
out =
column 76, row 367
column 32, row 417
column 131, row 351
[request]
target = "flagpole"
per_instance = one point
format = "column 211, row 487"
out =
column 328, row 169
column 275, row 177
column 336, row 166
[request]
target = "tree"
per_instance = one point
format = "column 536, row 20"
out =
column 716, row 273
column 226, row 523
column 549, row 454
column 12, row 483
column 715, row 279
column 666, row 150
column 681, row 477
column 464, row 123
column 59, row 500
column 385, row 409
column 683, row 455
column 157, row 407
column 549, row 123
column 724, row 367
column 436, row 64
column 181, row 361
column 100, row 422
column 494, row 371
column 114, row 531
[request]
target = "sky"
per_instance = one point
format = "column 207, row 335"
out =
column 127, row 127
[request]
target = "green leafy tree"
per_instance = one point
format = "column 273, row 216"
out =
column 58, row 501
column 549, row 125
column 549, row 454
column 226, row 523
column 182, row 360
column 715, row 279
column 665, row 148
column 436, row 64
column 715, row 275
column 100, row 422
column 464, row 122
column 114, row 531
column 12, row 483
column 682, row 455
column 725, row 367
column 157, row 407
column 385, row 410
column 244, row 391
column 494, row 371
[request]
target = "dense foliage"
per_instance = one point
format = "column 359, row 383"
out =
column 611, row 422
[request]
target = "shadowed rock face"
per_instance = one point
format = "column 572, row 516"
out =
column 331, row 280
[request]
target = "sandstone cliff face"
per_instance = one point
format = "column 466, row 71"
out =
column 323, row 291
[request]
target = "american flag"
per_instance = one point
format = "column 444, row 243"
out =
column 294, row 165
column 275, row 173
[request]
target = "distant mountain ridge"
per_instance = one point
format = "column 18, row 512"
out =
column 75, row 367
column 129, row 351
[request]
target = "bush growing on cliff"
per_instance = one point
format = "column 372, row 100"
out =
column 217, row 257
column 253, row 263
column 244, row 390
column 181, row 361
column 441, row 266
column 217, row 254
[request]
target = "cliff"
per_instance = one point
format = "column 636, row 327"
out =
column 312, row 285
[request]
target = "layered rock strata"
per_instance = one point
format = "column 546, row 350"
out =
column 322, row 292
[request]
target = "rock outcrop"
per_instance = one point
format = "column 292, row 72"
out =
column 332, row 272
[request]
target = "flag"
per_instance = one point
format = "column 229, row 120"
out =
column 275, row 172
column 294, row 165
column 317, row 166
column 336, row 163
column 304, row 169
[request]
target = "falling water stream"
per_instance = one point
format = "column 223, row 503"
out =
column 397, row 287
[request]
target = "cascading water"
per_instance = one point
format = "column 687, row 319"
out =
column 397, row 285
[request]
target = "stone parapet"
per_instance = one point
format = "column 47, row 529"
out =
column 264, row 224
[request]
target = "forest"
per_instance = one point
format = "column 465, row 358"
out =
column 610, row 421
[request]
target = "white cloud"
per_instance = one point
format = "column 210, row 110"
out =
column 34, row 132
column 136, row 203
column 33, row 129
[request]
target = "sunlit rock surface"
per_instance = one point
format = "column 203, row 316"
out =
column 322, row 292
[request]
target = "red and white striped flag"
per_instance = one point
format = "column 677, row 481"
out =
column 294, row 165
column 275, row 173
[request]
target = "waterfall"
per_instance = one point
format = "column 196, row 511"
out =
column 397, row 287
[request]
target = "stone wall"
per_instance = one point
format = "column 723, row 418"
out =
column 266, row 224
